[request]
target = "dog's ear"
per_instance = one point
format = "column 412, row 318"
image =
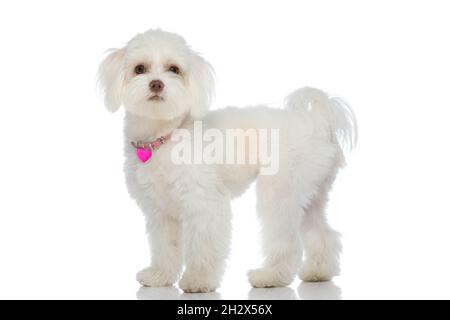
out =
column 111, row 77
column 202, row 86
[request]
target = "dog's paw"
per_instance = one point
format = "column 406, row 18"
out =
column 155, row 277
column 196, row 282
column 316, row 272
column 269, row 277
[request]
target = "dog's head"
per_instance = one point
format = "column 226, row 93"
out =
column 158, row 76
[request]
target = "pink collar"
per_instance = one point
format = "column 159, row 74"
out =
column 144, row 150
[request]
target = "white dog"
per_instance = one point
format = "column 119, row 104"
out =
column 164, row 85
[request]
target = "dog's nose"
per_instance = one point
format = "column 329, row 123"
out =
column 156, row 86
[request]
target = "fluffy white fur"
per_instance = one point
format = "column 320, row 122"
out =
column 187, row 207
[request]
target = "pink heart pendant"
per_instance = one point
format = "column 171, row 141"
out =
column 144, row 154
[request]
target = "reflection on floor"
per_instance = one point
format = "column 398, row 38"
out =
column 319, row 291
column 172, row 293
column 306, row 291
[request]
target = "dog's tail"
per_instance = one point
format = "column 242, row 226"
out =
column 331, row 116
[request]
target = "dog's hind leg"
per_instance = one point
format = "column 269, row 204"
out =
column 280, row 219
column 282, row 201
column 321, row 243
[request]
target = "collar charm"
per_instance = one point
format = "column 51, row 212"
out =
column 145, row 150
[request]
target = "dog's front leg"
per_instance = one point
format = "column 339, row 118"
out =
column 164, row 236
column 206, row 236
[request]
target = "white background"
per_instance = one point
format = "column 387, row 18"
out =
column 67, row 226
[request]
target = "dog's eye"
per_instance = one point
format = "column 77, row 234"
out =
column 140, row 69
column 174, row 69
